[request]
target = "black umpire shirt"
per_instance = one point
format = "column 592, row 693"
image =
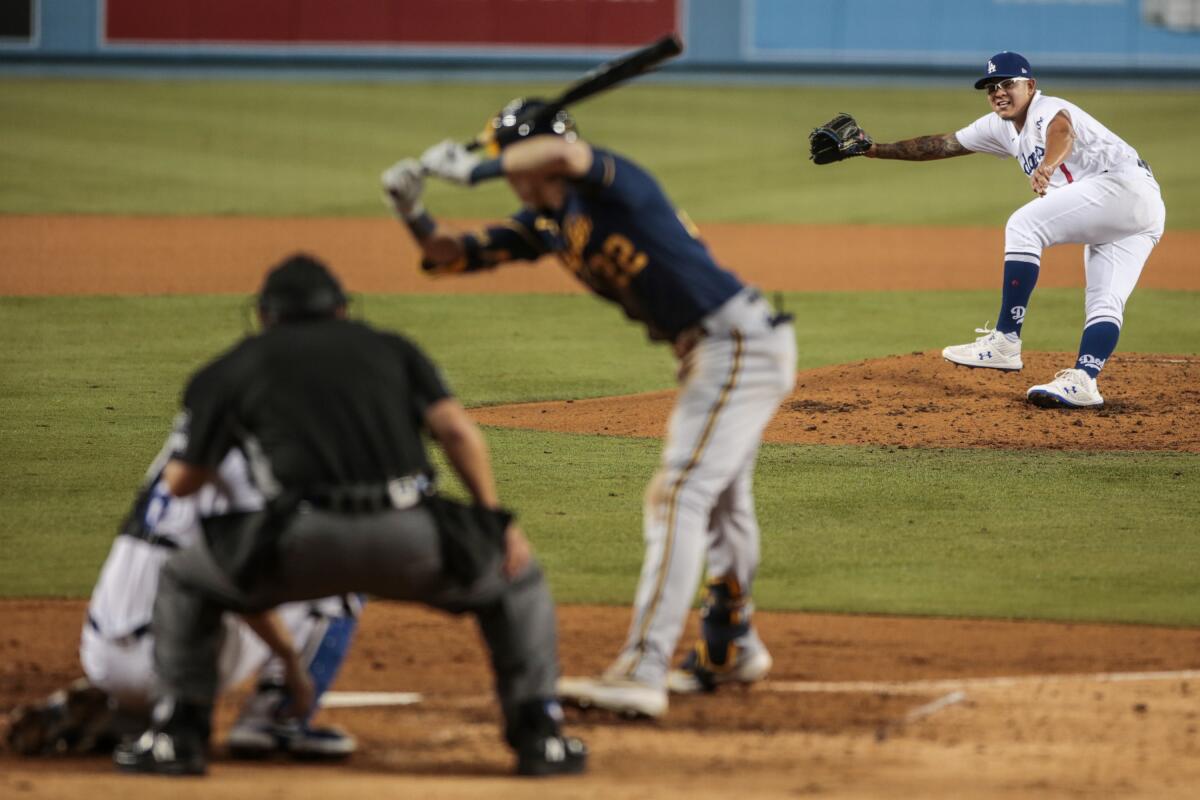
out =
column 322, row 403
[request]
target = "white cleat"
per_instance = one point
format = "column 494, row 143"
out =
column 992, row 350
column 620, row 695
column 1071, row 388
column 698, row 674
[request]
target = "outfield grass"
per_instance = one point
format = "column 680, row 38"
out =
column 1045, row 535
column 724, row 153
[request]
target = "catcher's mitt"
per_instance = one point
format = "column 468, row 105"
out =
column 838, row 139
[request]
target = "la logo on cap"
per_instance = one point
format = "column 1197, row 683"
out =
column 992, row 67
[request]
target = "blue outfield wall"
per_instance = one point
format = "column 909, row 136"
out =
column 1088, row 38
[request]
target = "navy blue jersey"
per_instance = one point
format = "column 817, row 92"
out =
column 619, row 234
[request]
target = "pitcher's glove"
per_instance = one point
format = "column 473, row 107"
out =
column 838, row 139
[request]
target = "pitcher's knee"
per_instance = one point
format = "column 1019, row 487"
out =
column 1025, row 236
column 1103, row 307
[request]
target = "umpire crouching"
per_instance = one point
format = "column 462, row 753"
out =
column 329, row 413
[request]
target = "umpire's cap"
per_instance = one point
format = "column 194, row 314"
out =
column 299, row 288
column 525, row 117
column 1005, row 65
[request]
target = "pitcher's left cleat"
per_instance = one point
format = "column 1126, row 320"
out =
column 1071, row 388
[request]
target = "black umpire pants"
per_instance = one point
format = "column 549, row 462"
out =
column 393, row 554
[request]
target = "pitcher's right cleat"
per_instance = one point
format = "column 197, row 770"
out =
column 698, row 673
column 620, row 695
column 1071, row 388
column 992, row 350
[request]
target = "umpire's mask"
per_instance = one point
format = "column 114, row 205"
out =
column 299, row 288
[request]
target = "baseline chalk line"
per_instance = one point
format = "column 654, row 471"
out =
column 964, row 684
column 946, row 700
column 367, row 699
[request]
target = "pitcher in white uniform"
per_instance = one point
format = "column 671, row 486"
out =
column 1092, row 188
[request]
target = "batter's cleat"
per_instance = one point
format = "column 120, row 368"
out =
column 265, row 739
column 623, row 696
column 157, row 752
column 552, row 755
column 698, row 672
column 1071, row 388
column 992, row 350
column 75, row 720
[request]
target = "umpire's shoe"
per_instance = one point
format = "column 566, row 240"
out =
column 552, row 755
column 177, row 743
column 542, row 750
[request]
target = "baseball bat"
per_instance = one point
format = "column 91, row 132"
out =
column 605, row 76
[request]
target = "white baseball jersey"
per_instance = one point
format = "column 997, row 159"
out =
column 123, row 598
column 1103, row 196
column 117, row 647
column 1096, row 149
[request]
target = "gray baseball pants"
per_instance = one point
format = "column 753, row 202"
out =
column 393, row 554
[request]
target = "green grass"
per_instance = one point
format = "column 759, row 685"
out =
column 724, row 153
column 856, row 529
column 88, row 387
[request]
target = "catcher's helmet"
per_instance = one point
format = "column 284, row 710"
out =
column 299, row 288
column 523, row 118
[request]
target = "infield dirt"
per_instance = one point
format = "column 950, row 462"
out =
column 1055, row 723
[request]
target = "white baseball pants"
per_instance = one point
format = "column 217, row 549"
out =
column 700, row 500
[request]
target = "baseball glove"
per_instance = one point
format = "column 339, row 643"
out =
column 838, row 139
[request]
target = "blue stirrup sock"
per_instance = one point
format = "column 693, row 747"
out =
column 1019, row 279
column 1097, row 344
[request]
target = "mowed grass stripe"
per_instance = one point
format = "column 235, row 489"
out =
column 289, row 148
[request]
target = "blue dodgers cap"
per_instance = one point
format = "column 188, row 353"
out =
column 1005, row 65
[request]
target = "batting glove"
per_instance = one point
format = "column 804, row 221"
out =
column 451, row 161
column 403, row 183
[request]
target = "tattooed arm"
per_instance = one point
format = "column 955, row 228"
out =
column 922, row 148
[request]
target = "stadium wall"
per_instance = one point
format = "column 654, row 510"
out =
column 1095, row 38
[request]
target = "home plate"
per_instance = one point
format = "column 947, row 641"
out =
column 367, row 699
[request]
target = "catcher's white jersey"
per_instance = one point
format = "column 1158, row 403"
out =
column 1096, row 149
column 123, row 598
column 117, row 646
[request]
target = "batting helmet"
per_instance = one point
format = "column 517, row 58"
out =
column 525, row 117
column 299, row 288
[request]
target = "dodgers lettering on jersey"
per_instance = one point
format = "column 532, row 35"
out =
column 1096, row 149
column 619, row 234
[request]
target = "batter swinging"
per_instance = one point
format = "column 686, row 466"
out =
column 612, row 226
column 1092, row 188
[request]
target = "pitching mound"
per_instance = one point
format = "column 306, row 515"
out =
column 920, row 400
